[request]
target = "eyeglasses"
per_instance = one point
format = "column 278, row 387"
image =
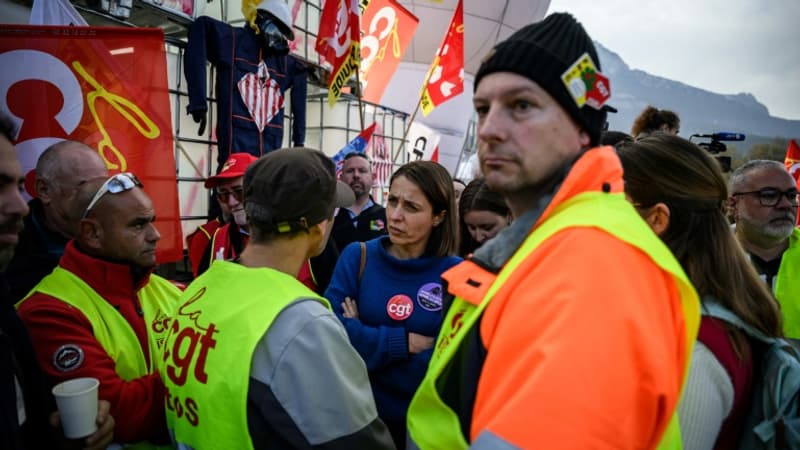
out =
column 224, row 196
column 771, row 196
column 120, row 182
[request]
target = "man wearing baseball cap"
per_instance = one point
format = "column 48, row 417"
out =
column 256, row 359
column 573, row 327
column 227, row 186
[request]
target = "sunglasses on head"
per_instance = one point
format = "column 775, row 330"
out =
column 771, row 196
column 120, row 182
column 237, row 192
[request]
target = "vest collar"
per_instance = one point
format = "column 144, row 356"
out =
column 597, row 169
column 109, row 279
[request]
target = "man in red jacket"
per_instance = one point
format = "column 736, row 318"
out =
column 100, row 313
column 227, row 186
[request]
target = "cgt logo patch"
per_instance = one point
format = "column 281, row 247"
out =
column 400, row 307
column 68, row 357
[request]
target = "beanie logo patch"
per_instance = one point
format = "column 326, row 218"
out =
column 585, row 84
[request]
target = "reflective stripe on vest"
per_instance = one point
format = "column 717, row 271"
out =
column 787, row 287
column 110, row 328
column 206, row 361
column 431, row 423
column 220, row 244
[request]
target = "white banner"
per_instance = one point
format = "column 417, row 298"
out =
column 422, row 141
column 55, row 12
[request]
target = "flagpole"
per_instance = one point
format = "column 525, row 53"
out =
column 408, row 129
column 358, row 95
column 414, row 115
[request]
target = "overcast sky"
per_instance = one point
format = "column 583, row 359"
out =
column 724, row 46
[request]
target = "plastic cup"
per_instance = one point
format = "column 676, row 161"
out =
column 77, row 405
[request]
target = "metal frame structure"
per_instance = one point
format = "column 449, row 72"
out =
column 195, row 156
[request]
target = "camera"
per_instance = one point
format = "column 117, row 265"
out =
column 714, row 144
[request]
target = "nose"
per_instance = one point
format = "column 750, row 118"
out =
column 232, row 200
column 394, row 214
column 14, row 204
column 784, row 203
column 20, row 205
column 153, row 235
column 480, row 236
column 490, row 126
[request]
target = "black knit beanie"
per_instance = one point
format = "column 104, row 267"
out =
column 543, row 51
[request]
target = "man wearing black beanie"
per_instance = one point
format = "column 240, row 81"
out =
column 572, row 328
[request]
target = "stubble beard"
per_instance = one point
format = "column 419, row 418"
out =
column 772, row 231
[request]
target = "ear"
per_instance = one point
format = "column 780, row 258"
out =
column 658, row 218
column 43, row 191
column 584, row 139
column 90, row 234
column 732, row 204
column 318, row 229
column 439, row 218
column 316, row 237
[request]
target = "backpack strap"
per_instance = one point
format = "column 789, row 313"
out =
column 363, row 263
column 711, row 307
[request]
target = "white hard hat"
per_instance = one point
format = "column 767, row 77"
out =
column 280, row 10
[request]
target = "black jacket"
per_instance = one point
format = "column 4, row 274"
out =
column 37, row 253
column 370, row 224
column 18, row 360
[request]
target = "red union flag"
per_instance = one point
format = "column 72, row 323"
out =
column 387, row 30
column 338, row 42
column 106, row 87
column 792, row 159
column 445, row 78
column 792, row 162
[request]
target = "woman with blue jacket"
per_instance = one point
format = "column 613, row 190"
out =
column 388, row 293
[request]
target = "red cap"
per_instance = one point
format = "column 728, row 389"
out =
column 234, row 167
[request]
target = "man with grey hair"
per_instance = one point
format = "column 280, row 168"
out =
column 763, row 203
column 60, row 171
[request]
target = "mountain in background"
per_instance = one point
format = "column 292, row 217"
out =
column 701, row 111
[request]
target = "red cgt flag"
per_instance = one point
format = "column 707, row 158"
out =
column 445, row 77
column 387, row 30
column 106, row 87
column 338, row 42
column 792, row 162
column 792, row 159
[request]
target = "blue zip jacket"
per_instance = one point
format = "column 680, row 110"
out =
column 394, row 297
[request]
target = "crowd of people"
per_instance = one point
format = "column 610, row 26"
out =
column 557, row 301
